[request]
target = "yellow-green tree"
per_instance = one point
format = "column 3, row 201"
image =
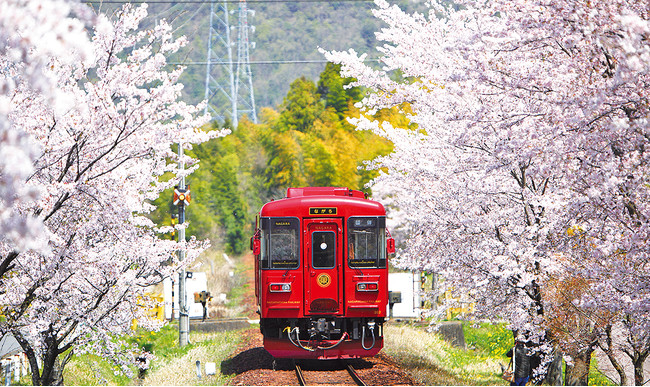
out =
column 306, row 142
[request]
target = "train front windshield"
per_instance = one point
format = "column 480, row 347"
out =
column 280, row 243
column 367, row 242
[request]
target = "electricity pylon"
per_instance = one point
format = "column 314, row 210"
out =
column 228, row 84
column 243, row 75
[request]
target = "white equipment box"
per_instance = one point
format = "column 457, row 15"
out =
column 194, row 284
column 408, row 285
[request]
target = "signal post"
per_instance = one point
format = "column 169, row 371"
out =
column 181, row 199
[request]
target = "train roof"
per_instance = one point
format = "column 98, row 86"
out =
column 335, row 201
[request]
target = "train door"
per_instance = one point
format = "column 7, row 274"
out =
column 323, row 265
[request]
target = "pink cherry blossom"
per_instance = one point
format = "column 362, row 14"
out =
column 99, row 156
column 526, row 161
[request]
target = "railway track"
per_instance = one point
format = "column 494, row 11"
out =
column 328, row 376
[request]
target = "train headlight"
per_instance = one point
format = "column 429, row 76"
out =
column 367, row 286
column 280, row 288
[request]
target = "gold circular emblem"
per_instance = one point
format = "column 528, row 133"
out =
column 324, row 280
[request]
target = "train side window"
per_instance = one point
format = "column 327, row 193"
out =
column 367, row 242
column 280, row 243
column 323, row 249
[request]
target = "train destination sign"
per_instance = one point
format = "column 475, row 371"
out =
column 322, row 210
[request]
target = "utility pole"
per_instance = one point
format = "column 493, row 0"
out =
column 174, row 222
column 181, row 199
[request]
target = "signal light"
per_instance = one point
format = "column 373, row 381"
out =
column 367, row 286
column 182, row 196
column 280, row 288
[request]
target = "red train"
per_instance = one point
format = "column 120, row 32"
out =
column 321, row 274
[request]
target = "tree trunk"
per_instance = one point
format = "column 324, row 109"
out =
column 54, row 374
column 48, row 376
column 554, row 373
column 51, row 370
column 578, row 373
column 609, row 351
column 618, row 367
column 638, row 370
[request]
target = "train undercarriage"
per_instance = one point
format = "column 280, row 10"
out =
column 322, row 337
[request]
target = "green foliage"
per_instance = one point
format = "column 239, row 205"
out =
column 310, row 142
column 492, row 339
column 331, row 88
column 319, row 163
column 86, row 369
column 162, row 343
column 220, row 209
column 597, row 378
column 301, row 107
column 284, row 159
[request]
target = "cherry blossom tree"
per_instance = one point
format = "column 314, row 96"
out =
column 101, row 157
column 532, row 120
column 30, row 33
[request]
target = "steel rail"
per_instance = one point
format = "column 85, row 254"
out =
column 299, row 375
column 355, row 376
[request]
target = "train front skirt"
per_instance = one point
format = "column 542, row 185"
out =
column 346, row 349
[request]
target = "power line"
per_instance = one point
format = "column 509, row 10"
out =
column 228, row 82
column 221, row 1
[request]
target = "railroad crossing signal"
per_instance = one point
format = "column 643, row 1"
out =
column 182, row 197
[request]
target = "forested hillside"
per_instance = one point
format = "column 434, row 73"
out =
column 286, row 30
column 306, row 142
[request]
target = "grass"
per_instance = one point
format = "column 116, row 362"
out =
column 173, row 365
column 597, row 378
column 433, row 361
column 87, row 370
column 489, row 339
column 429, row 359
column 180, row 370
